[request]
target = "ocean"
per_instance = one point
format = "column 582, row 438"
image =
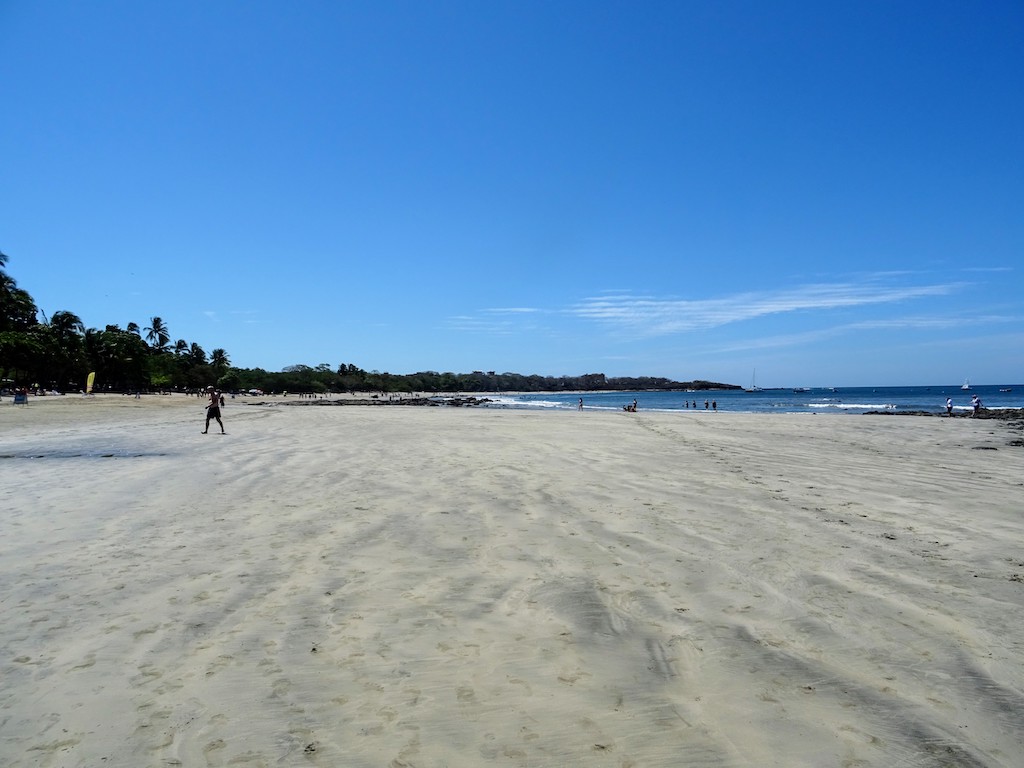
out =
column 814, row 400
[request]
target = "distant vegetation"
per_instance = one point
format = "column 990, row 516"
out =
column 58, row 352
column 350, row 378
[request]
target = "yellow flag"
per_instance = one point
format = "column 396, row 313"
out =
column 89, row 381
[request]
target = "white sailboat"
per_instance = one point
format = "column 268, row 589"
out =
column 967, row 384
column 753, row 383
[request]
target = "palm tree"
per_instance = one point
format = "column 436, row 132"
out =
column 63, row 342
column 197, row 354
column 180, row 347
column 133, row 328
column 19, row 348
column 219, row 360
column 65, row 324
column 118, row 357
column 157, row 334
column 17, row 308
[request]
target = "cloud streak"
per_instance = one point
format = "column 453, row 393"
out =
column 894, row 324
column 473, row 324
column 652, row 316
column 658, row 316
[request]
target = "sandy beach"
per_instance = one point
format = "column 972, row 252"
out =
column 416, row 586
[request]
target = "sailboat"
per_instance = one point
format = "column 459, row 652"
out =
column 967, row 384
column 753, row 383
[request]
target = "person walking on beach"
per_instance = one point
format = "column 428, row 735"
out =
column 975, row 404
column 949, row 406
column 581, row 405
column 213, row 409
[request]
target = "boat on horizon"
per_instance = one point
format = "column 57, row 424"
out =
column 967, row 384
column 753, row 383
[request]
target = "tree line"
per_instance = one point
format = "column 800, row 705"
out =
column 348, row 377
column 57, row 352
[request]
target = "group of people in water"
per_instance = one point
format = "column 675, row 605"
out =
column 631, row 407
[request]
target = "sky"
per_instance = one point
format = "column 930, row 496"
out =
column 826, row 193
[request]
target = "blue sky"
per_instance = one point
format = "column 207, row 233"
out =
column 831, row 193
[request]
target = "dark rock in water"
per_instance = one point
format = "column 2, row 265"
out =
column 1002, row 414
column 461, row 401
column 432, row 401
column 996, row 414
column 456, row 402
column 900, row 413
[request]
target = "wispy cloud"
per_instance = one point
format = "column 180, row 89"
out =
column 653, row 315
column 478, row 324
column 893, row 324
column 246, row 316
column 932, row 323
column 497, row 320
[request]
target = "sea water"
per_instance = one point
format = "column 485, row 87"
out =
column 816, row 400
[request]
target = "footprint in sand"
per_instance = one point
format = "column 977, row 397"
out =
column 210, row 751
column 89, row 661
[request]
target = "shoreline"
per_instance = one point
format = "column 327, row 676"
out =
column 486, row 401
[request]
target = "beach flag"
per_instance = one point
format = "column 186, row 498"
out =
column 88, row 383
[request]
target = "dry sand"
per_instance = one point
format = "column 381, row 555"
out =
column 357, row 586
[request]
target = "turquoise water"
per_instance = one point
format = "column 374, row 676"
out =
column 817, row 400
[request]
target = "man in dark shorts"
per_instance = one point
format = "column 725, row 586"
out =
column 213, row 409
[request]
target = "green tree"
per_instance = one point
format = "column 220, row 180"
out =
column 62, row 363
column 118, row 357
column 229, row 382
column 196, row 354
column 219, row 362
column 157, row 334
column 18, row 316
column 18, row 312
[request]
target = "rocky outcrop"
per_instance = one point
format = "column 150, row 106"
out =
column 456, row 402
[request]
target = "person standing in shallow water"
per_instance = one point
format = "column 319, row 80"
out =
column 213, row 409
